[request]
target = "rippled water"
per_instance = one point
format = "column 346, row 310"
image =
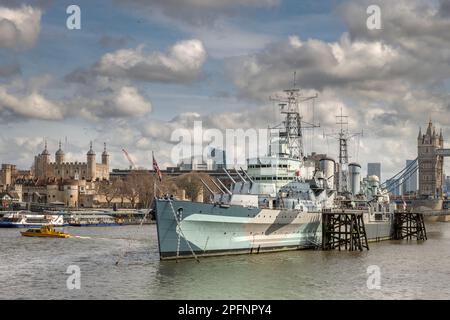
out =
column 33, row 268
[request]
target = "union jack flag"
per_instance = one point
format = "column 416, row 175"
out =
column 156, row 168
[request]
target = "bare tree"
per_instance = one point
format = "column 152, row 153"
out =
column 131, row 188
column 121, row 191
column 149, row 184
column 139, row 186
column 145, row 189
column 191, row 183
column 108, row 189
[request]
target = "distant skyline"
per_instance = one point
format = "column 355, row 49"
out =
column 375, row 168
column 137, row 70
column 411, row 184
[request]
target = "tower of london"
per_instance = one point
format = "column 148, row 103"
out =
column 60, row 169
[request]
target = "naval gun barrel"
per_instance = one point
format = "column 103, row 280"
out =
column 207, row 187
column 217, row 186
column 246, row 175
column 241, row 177
column 226, row 189
column 229, row 176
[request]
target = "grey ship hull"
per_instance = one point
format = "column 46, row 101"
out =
column 187, row 228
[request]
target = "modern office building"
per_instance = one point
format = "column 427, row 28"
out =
column 374, row 169
column 410, row 183
column 447, row 185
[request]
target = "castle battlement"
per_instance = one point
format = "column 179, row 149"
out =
column 89, row 170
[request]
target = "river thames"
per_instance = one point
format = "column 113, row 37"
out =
column 123, row 263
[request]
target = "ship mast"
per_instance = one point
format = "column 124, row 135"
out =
column 343, row 136
column 289, row 105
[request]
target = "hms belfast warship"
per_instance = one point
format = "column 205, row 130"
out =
column 277, row 203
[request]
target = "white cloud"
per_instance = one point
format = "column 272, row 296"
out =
column 21, row 100
column 32, row 105
column 318, row 65
column 181, row 64
column 162, row 130
column 405, row 23
column 124, row 102
column 25, row 148
column 226, row 39
column 19, row 27
column 129, row 102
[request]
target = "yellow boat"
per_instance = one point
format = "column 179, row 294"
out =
column 45, row 231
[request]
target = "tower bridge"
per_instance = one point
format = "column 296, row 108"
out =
column 443, row 152
column 430, row 157
column 429, row 164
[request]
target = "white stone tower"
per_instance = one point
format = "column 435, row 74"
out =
column 43, row 162
column 91, row 165
column 105, row 162
column 105, row 156
column 59, row 155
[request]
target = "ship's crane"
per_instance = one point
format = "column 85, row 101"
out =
column 132, row 165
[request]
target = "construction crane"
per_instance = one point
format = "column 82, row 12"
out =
column 132, row 165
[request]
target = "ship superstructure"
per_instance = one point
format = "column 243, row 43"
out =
column 355, row 192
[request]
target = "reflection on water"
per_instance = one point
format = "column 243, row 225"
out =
column 122, row 262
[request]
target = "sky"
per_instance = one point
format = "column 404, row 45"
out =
column 138, row 70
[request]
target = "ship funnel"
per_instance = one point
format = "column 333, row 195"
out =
column 354, row 171
column 327, row 166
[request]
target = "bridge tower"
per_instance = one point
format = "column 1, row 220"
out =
column 430, row 162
